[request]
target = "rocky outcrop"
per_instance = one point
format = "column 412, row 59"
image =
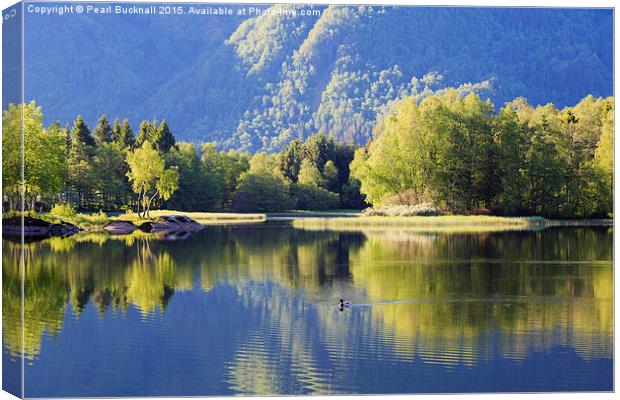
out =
column 120, row 227
column 36, row 228
column 173, row 227
column 172, row 223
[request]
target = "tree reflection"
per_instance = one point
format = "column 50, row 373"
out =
column 541, row 288
column 461, row 286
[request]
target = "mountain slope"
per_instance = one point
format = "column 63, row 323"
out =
column 256, row 84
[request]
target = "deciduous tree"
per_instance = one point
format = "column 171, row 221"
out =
column 150, row 178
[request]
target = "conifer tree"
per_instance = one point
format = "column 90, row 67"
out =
column 290, row 160
column 103, row 131
column 128, row 138
column 80, row 162
column 81, row 134
column 164, row 139
column 123, row 134
column 116, row 132
column 67, row 138
column 144, row 133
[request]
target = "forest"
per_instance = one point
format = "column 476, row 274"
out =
column 254, row 84
column 449, row 149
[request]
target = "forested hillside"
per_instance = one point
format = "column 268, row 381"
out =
column 259, row 83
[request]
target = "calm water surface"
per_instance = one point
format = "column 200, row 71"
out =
column 252, row 310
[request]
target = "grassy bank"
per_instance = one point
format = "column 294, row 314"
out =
column 448, row 223
column 295, row 214
column 87, row 222
column 204, row 218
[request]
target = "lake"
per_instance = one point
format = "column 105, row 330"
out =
column 253, row 310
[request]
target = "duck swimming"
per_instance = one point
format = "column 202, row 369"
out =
column 344, row 303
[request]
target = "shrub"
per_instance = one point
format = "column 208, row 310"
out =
column 66, row 213
column 315, row 198
column 262, row 193
column 127, row 209
column 63, row 210
column 98, row 219
column 350, row 196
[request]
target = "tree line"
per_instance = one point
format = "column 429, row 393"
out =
column 451, row 150
column 112, row 168
column 459, row 154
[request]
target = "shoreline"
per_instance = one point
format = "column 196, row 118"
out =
column 350, row 220
column 447, row 223
column 204, row 218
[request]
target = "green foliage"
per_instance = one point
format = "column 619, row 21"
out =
column 225, row 169
column 465, row 172
column 159, row 136
column 89, row 221
column 262, row 193
column 103, row 131
column 109, row 174
column 12, row 150
column 290, row 160
column 605, row 148
column 312, row 197
column 330, row 175
column 116, row 133
column 403, row 155
column 455, row 152
column 318, row 149
column 127, row 135
column 604, row 161
column 544, row 175
column 309, row 174
column 147, row 133
column 150, row 179
column 449, row 149
column 263, row 187
column 199, row 189
column 63, row 210
column 68, row 139
column 168, row 183
column 81, row 134
column 146, row 166
column 66, row 213
column 44, row 163
column 122, row 134
column 512, row 141
column 424, row 209
column 80, row 165
column 164, row 139
column 350, row 195
column 262, row 163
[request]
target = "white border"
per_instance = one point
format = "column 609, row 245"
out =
column 463, row 3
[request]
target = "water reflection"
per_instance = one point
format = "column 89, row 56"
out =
column 544, row 288
column 421, row 301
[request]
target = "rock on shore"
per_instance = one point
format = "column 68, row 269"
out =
column 120, row 227
column 35, row 227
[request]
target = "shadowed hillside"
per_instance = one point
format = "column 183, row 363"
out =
column 256, row 84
